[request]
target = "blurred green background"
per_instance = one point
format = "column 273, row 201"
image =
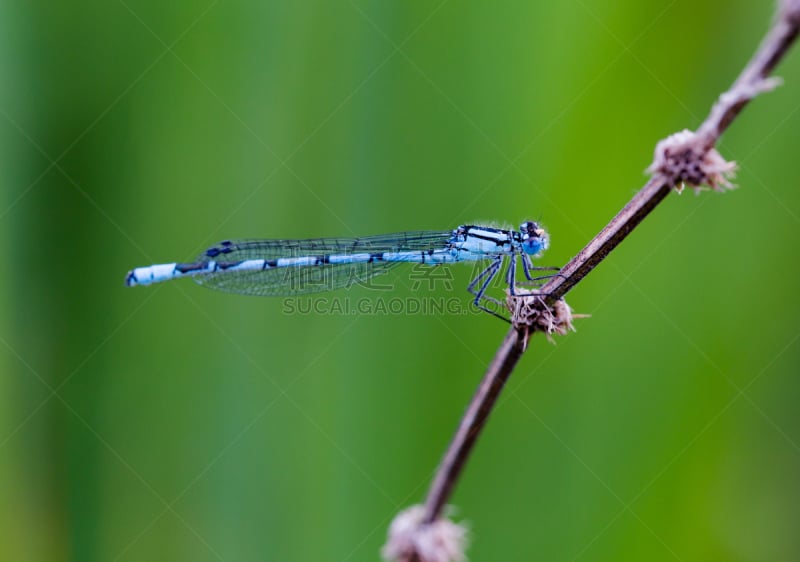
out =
column 176, row 423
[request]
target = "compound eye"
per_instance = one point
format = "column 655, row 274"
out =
column 534, row 238
column 530, row 228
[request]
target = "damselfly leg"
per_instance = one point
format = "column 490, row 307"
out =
column 480, row 294
column 527, row 267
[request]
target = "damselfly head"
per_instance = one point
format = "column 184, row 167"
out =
column 534, row 238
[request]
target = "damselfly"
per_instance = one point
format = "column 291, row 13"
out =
column 296, row 267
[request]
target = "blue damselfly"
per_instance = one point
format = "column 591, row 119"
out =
column 296, row 267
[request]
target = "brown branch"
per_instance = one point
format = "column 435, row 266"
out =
column 688, row 158
column 473, row 421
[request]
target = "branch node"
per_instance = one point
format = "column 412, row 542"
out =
column 410, row 538
column 530, row 314
column 684, row 159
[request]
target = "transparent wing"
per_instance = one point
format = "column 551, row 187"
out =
column 300, row 280
column 238, row 250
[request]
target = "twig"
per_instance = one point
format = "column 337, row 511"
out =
column 687, row 158
column 471, row 424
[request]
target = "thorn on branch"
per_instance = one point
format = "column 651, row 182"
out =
column 749, row 90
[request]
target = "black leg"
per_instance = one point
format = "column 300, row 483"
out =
column 480, row 276
column 489, row 273
column 511, row 275
column 527, row 267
